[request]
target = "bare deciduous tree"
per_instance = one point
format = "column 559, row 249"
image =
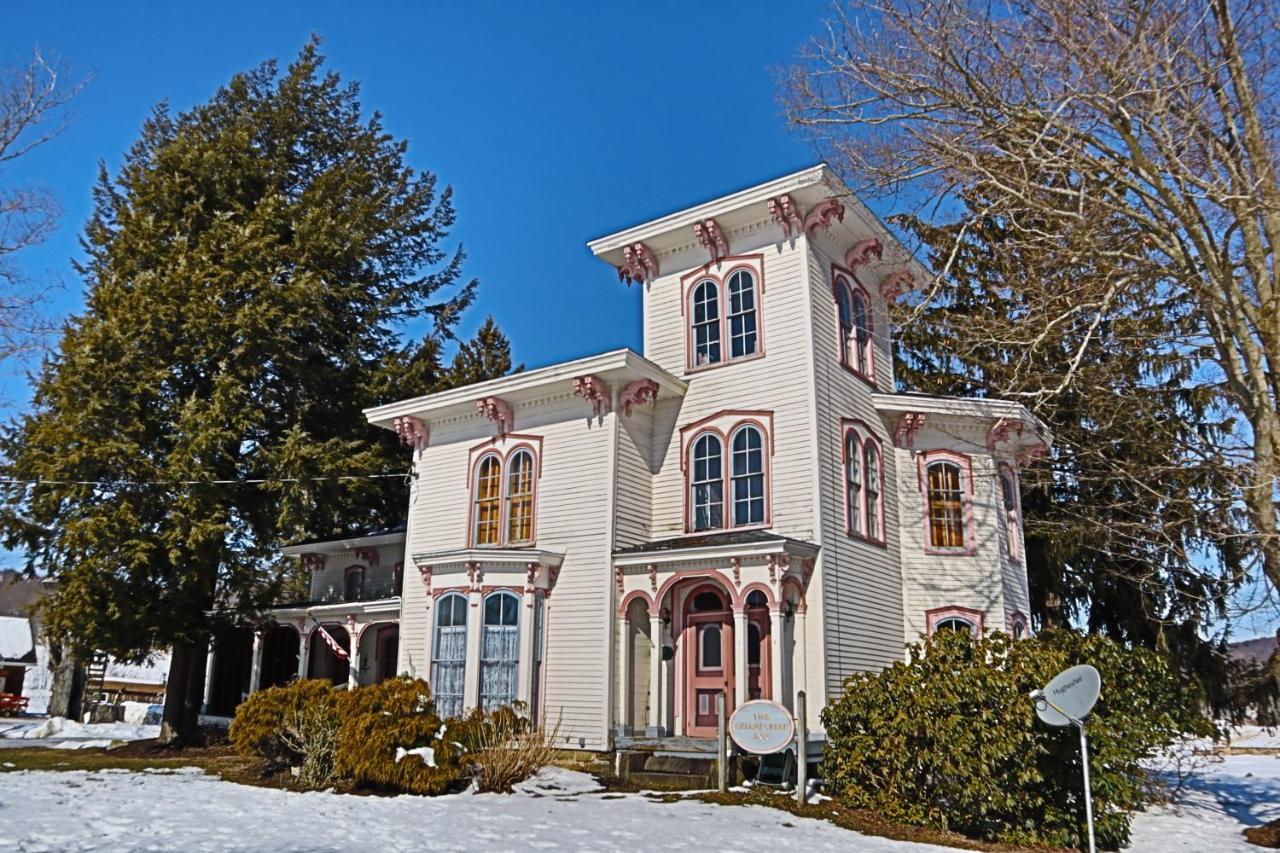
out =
column 31, row 100
column 1066, row 117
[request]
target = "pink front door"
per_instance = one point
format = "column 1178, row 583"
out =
column 707, row 642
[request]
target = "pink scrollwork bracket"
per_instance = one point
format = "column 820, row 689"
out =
column 594, row 390
column 412, row 432
column 712, row 237
column 821, row 215
column 895, row 284
column 909, row 423
column 862, row 252
column 314, row 562
column 639, row 265
column 785, row 213
column 425, row 573
column 637, row 393
column 499, row 411
column 369, row 555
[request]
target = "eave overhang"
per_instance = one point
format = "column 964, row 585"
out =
column 740, row 550
column 341, row 546
column 975, row 408
column 618, row 368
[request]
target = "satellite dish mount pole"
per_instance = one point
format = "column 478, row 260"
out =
column 1084, row 763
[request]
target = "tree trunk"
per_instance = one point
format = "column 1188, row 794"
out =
column 66, row 696
column 184, row 693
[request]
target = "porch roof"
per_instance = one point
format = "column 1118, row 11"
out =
column 734, row 543
column 368, row 538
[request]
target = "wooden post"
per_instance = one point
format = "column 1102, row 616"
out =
column 802, row 750
column 722, row 767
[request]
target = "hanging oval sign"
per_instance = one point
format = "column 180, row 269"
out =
column 762, row 727
column 1070, row 696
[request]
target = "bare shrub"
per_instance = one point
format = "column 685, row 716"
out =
column 510, row 750
column 312, row 732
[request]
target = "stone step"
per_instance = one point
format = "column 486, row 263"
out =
column 670, row 781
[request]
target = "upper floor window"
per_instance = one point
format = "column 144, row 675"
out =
column 948, row 503
column 503, row 504
column 863, row 483
column 724, row 316
column 727, row 476
column 353, row 586
column 707, row 482
column 747, row 477
column 853, row 310
column 1012, row 512
column 706, row 323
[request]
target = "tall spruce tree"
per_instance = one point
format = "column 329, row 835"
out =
column 1132, row 527
column 249, row 272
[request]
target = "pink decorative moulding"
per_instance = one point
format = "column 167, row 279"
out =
column 909, row 423
column 639, row 265
column 862, row 252
column 499, row 411
column 637, row 393
column 821, row 215
column 712, row 237
column 412, row 432
column 594, row 391
column 785, row 213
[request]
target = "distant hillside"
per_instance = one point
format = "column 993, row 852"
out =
column 1258, row 651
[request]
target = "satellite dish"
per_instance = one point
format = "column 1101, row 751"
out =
column 1069, row 697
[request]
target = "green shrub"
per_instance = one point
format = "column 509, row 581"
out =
column 387, row 720
column 259, row 727
column 950, row 738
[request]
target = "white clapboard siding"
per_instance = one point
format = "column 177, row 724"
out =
column 330, row 582
column 860, row 582
column 774, row 382
column 572, row 518
column 935, row 580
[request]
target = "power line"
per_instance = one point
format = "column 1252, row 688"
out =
column 253, row 481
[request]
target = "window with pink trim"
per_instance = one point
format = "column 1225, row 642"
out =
column 962, row 619
column 1017, row 625
column 947, row 492
column 1012, row 513
column 853, row 311
column 503, row 499
column 724, row 318
column 863, row 483
column 728, row 479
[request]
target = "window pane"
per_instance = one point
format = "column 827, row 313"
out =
column 862, row 335
column 499, row 651
column 742, row 314
column 872, row 458
column 946, row 506
column 853, row 480
column 709, row 647
column 520, row 498
column 706, row 323
column 954, row 623
column 488, row 500
column 449, row 655
column 707, row 483
column 747, row 473
column 844, row 308
column 354, row 585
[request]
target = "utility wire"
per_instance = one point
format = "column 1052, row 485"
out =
column 256, row 481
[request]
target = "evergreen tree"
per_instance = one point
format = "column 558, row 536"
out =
column 1131, row 528
column 249, row 271
column 485, row 356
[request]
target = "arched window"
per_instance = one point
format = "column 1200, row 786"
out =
column 707, row 483
column 488, row 500
column 861, row 355
column 353, row 585
column 954, row 623
column 500, row 650
column 743, row 334
column 1012, row 512
column 747, row 477
column 706, row 323
column 946, row 502
column 449, row 654
column 1019, row 628
column 853, row 311
column 853, row 481
column 871, row 456
column 520, row 498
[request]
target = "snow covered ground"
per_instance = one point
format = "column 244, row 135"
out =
column 61, row 733
column 185, row 810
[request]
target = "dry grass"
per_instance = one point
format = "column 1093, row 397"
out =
column 512, row 751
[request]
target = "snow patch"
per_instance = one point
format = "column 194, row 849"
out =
column 61, row 727
column 426, row 753
column 15, row 638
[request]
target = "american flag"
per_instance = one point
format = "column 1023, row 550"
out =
column 333, row 644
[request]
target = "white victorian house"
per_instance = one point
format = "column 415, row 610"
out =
column 748, row 506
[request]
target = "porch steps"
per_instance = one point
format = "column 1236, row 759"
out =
column 667, row 772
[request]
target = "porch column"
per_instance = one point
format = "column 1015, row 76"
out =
column 255, row 671
column 800, row 652
column 353, row 655
column 775, row 655
column 304, row 653
column 655, row 675
column 739, row 657
column 208, row 676
column 625, row 686
column 475, row 635
column 524, row 677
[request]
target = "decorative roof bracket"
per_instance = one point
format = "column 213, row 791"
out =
column 822, row 214
column 499, row 411
column 594, row 390
column 862, row 251
column 785, row 213
column 412, row 432
column 639, row 265
column 637, row 393
column 909, row 423
column 712, row 237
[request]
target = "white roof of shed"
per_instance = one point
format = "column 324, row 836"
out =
column 16, row 641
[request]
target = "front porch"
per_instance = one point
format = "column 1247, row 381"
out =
column 703, row 615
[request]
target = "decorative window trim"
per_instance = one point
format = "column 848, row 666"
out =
column 855, row 288
column 510, row 445
column 437, row 601
column 1019, row 619
column 732, row 422
column 1012, row 516
column 965, row 462
column 754, row 264
column 862, row 435
column 937, row 615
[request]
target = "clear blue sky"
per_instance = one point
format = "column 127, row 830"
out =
column 554, row 122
